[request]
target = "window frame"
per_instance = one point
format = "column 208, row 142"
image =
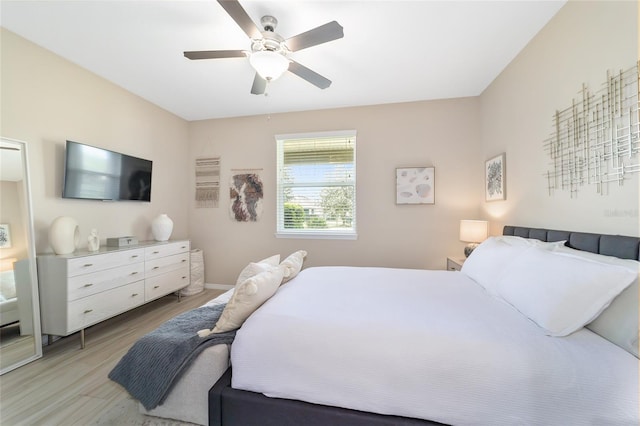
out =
column 333, row 234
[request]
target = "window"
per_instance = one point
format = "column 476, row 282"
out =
column 317, row 185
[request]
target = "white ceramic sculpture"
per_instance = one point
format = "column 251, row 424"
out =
column 64, row 235
column 161, row 227
column 93, row 242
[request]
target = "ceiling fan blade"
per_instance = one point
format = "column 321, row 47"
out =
column 215, row 54
column 309, row 75
column 322, row 34
column 259, row 85
column 238, row 14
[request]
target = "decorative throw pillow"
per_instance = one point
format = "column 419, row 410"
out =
column 254, row 268
column 561, row 293
column 293, row 264
column 247, row 297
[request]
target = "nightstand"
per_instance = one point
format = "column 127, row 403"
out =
column 455, row 263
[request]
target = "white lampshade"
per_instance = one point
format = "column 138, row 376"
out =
column 473, row 231
column 270, row 65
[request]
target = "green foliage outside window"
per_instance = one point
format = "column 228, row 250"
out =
column 293, row 216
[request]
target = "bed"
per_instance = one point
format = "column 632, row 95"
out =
column 586, row 374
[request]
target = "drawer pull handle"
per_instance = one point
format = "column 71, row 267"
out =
column 183, row 247
column 134, row 294
column 156, row 252
column 88, row 311
column 134, row 272
column 184, row 260
column 86, row 265
column 88, row 285
column 184, row 278
column 134, row 256
column 156, row 267
column 156, row 286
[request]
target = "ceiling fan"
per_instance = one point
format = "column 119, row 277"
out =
column 269, row 51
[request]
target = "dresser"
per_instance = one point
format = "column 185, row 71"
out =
column 83, row 288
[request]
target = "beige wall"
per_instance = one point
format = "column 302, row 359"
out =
column 46, row 100
column 443, row 134
column 579, row 45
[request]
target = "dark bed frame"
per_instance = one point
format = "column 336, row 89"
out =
column 233, row 407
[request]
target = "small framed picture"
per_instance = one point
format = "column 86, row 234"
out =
column 495, row 180
column 415, row 185
column 5, row 236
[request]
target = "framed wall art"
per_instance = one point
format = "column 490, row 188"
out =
column 415, row 185
column 495, row 180
column 5, row 236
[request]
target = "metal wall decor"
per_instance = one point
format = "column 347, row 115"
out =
column 595, row 141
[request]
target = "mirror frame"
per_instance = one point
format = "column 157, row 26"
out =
column 31, row 253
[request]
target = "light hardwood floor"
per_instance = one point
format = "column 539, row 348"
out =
column 69, row 385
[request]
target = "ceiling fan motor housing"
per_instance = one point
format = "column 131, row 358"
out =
column 270, row 40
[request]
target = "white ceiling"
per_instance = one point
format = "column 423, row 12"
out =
column 392, row 51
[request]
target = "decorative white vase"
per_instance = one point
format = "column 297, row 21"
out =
column 64, row 235
column 161, row 227
column 93, row 241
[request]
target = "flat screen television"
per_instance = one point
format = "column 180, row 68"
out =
column 98, row 174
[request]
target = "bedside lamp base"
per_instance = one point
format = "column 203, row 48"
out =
column 469, row 248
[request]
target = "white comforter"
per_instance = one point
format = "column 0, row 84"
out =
column 431, row 345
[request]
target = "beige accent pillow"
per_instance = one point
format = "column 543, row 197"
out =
column 247, row 297
column 254, row 268
column 293, row 264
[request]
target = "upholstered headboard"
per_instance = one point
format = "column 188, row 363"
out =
column 609, row 245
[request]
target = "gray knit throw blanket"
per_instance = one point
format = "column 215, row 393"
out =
column 157, row 360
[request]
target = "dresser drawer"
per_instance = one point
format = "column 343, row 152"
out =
column 166, row 264
column 164, row 284
column 100, row 262
column 87, row 284
column 98, row 307
column 168, row 249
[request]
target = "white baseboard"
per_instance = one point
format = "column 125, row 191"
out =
column 218, row 286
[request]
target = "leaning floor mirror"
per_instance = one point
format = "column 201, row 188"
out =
column 20, row 336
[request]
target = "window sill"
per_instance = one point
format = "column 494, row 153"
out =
column 318, row 236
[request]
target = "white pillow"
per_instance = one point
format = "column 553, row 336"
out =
column 254, row 268
column 529, row 242
column 293, row 264
column 561, row 293
column 619, row 322
column 7, row 284
column 247, row 297
column 486, row 264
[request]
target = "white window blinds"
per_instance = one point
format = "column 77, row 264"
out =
column 316, row 185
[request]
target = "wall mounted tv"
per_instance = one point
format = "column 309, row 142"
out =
column 98, row 174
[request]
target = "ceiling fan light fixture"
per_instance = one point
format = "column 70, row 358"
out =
column 268, row 64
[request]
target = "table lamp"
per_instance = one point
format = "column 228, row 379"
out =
column 473, row 232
